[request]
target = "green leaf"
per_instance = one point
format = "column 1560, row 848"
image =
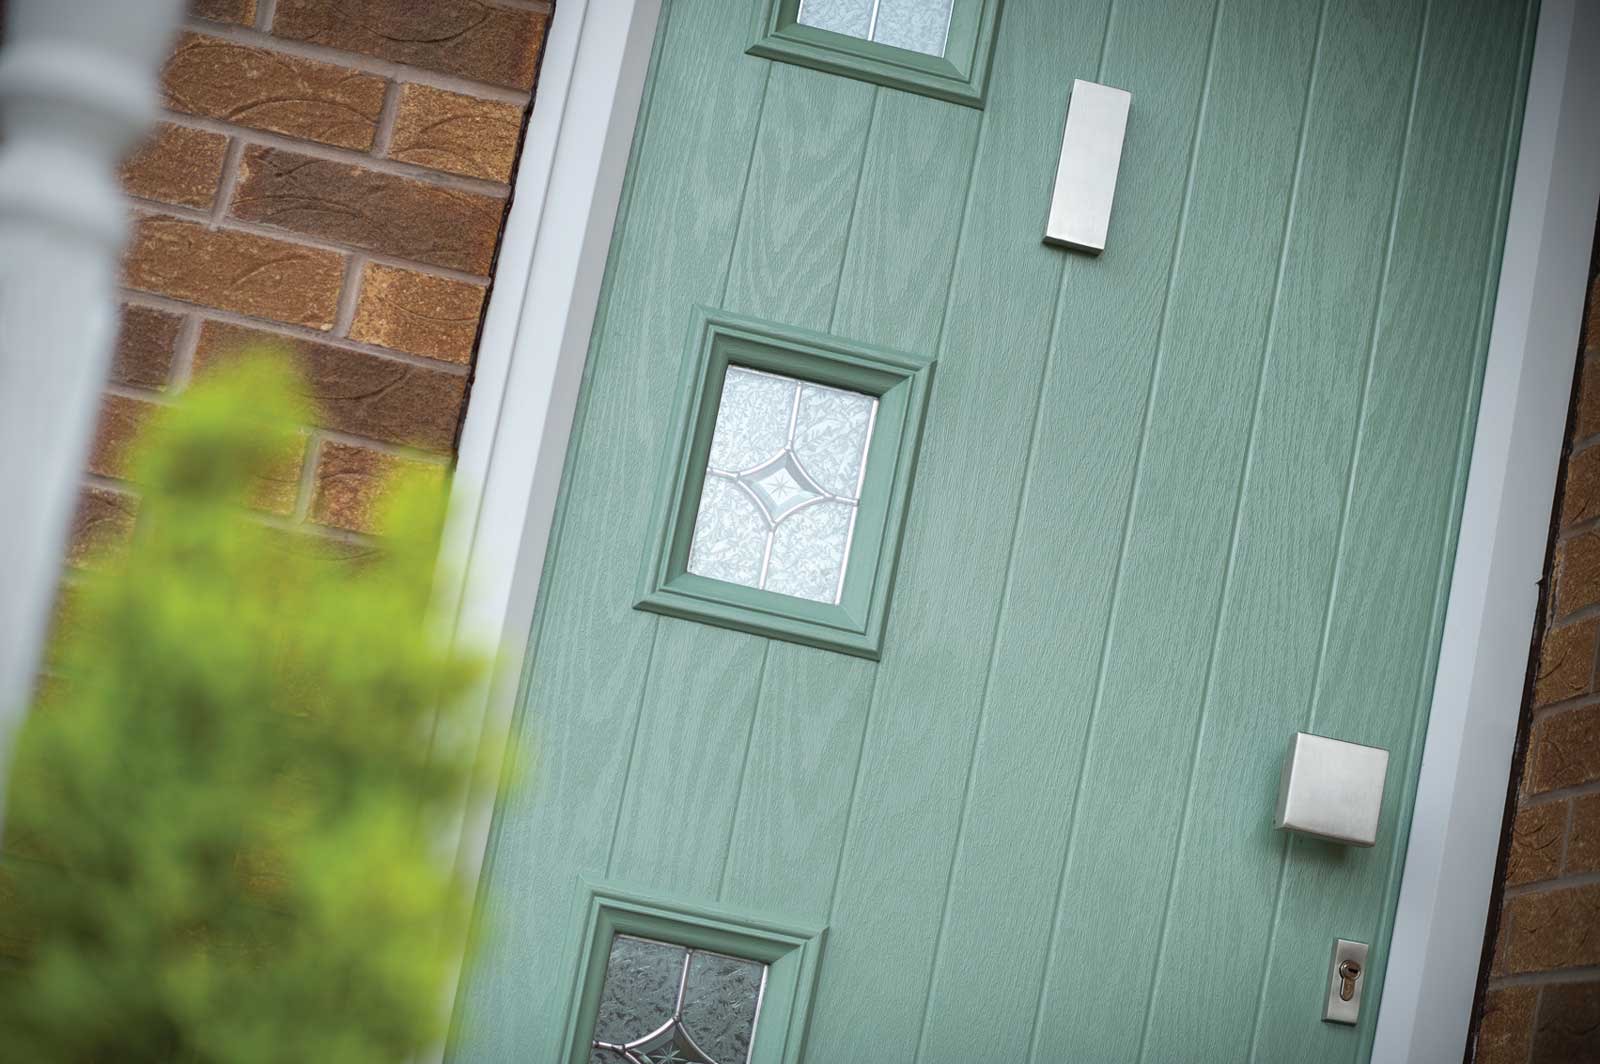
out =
column 216, row 845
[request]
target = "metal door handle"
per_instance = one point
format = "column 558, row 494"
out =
column 1332, row 789
column 1086, row 177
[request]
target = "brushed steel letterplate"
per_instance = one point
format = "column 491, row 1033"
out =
column 1332, row 789
column 1086, row 177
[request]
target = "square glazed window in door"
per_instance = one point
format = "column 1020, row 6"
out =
column 785, row 488
column 915, row 25
column 938, row 48
column 660, row 981
column 661, row 1001
column 783, row 485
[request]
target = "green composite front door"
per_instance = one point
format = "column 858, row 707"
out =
column 929, row 608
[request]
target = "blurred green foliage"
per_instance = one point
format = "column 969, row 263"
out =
column 219, row 820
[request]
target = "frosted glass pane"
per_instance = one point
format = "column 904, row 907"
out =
column 663, row 1003
column 782, row 485
column 730, row 534
column 753, row 421
column 850, row 17
column 719, row 1004
column 828, row 431
column 917, row 25
column 808, row 552
column 641, row 988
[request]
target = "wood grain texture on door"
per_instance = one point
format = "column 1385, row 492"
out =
column 1173, row 503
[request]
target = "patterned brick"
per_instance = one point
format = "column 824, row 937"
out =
column 1564, row 750
column 1590, row 340
column 365, row 209
column 1566, row 662
column 1580, row 500
column 1578, row 586
column 1569, row 1025
column 146, row 341
column 362, row 394
column 418, row 313
column 235, row 271
column 277, row 489
column 1587, row 422
column 121, row 420
column 239, row 12
column 1536, row 838
column 176, row 165
column 1583, row 844
column 272, row 91
column 1502, row 947
column 309, row 541
column 461, row 134
column 351, row 482
column 101, row 524
column 474, row 40
column 1507, row 1031
column 1555, row 929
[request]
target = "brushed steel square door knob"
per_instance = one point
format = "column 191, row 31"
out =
column 1332, row 789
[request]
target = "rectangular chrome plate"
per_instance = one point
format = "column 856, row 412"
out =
column 1336, row 1009
column 1086, row 177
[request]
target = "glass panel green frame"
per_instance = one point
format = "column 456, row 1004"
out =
column 960, row 76
column 791, row 954
column 900, row 382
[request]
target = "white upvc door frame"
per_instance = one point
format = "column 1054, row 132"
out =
column 531, row 354
column 1434, row 952
column 536, row 340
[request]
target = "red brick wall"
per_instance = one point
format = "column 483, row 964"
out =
column 331, row 176
column 1542, row 1004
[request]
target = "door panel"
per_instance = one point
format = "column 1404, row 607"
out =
column 1050, row 632
column 1147, row 707
column 681, row 209
column 1273, row 610
column 1173, row 503
column 1398, row 532
column 888, row 895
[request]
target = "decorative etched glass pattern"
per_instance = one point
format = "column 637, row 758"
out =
column 917, row 25
column 666, row 1004
column 782, row 487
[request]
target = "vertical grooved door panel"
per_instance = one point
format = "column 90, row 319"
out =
column 1397, row 535
column 888, row 896
column 1265, row 650
column 1146, row 708
column 1171, row 504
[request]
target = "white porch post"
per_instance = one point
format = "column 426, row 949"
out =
column 77, row 85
